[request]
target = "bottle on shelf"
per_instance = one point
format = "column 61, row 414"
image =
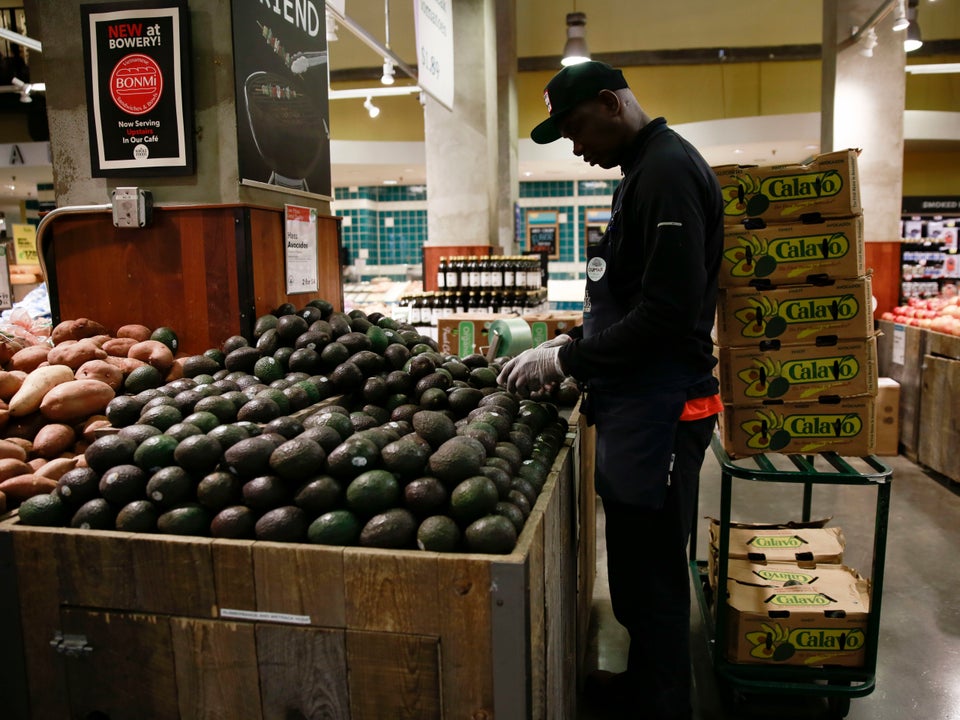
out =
column 496, row 272
column 414, row 307
column 453, row 273
column 473, row 271
column 509, row 274
column 442, row 273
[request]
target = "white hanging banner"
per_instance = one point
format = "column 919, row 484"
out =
column 434, row 24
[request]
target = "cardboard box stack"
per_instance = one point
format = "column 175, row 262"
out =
column 791, row 600
column 795, row 331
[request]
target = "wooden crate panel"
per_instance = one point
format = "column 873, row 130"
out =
column 906, row 370
column 128, row 674
column 232, row 570
column 38, row 585
column 391, row 590
column 940, row 420
column 216, row 669
column 96, row 569
column 300, row 579
column 395, row 676
column 173, row 575
column 303, row 673
column 466, row 645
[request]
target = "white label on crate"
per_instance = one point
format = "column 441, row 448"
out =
column 899, row 343
column 287, row 618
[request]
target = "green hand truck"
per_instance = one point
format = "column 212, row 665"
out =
column 837, row 684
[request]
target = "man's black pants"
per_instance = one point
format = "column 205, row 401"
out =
column 648, row 567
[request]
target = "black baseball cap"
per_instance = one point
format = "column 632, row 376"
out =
column 570, row 87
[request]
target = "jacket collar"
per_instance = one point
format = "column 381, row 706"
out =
column 635, row 151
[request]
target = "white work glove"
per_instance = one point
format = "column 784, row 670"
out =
column 532, row 369
column 558, row 341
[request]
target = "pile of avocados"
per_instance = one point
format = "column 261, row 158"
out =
column 323, row 427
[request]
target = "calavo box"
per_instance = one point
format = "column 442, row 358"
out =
column 795, row 313
column 751, row 375
column 820, row 624
column 793, row 253
column 827, row 186
column 783, row 574
column 847, row 427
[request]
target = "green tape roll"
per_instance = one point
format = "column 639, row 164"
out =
column 514, row 334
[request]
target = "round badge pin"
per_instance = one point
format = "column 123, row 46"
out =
column 596, row 268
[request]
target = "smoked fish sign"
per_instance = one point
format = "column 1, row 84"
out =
column 140, row 106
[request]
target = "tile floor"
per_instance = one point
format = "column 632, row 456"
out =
column 917, row 674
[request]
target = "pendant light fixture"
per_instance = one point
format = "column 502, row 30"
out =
column 387, row 77
column 912, row 41
column 575, row 51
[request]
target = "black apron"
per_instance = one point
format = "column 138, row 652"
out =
column 636, row 423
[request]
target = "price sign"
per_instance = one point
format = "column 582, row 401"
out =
column 434, row 29
column 300, row 249
column 25, row 244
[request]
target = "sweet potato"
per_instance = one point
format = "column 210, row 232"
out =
column 36, row 385
column 10, row 382
column 53, row 439
column 101, row 370
column 12, row 450
column 153, row 352
column 99, row 340
column 10, row 467
column 36, row 463
column 76, row 399
column 26, row 486
column 75, row 353
column 89, row 432
column 174, row 373
column 76, row 330
column 127, row 364
column 134, row 331
column 29, row 358
column 119, row 347
column 25, row 428
column 3, row 503
column 57, row 467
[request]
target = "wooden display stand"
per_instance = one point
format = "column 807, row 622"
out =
column 433, row 253
column 207, row 271
column 137, row 627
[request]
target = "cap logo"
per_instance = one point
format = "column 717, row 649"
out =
column 546, row 101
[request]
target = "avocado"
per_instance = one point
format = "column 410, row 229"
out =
column 512, row 513
column 325, row 436
column 187, row 519
column 314, row 338
column 122, row 484
column 372, row 492
column 235, row 521
column 242, row 359
column 473, row 498
column 425, row 496
column 290, row 327
column 318, row 495
column 123, row 410
column 361, row 421
column 203, row 420
column 297, row 459
column 265, row 492
column 438, row 533
column 218, row 490
column 109, row 450
column 282, row 524
column 396, row 528
column 434, row 427
column 264, row 323
column 199, row 365
column 463, row 400
column 339, row 421
column 77, row 486
column 405, row 457
column 170, row 486
column 249, row 458
column 95, row 514
column 347, row 377
column 47, row 510
column 457, row 459
column 337, row 527
column 259, row 410
column 138, row 516
column 161, row 415
column 501, row 478
column 232, row 343
column 491, row 534
column 138, row 433
column 305, row 360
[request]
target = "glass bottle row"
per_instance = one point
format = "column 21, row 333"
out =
column 426, row 308
column 489, row 271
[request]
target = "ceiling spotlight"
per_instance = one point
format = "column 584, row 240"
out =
column 900, row 21
column 912, row 41
column 24, row 89
column 388, row 72
column 575, row 51
column 371, row 108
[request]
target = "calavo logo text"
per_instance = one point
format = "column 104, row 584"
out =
column 756, row 256
column 802, row 186
column 776, row 541
column 773, row 378
column 779, row 643
column 784, row 576
column 799, row 600
column 767, row 317
column 769, row 430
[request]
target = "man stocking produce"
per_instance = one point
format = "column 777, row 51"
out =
column 645, row 356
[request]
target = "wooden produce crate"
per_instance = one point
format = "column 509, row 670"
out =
column 148, row 626
column 900, row 356
column 939, row 432
column 207, row 271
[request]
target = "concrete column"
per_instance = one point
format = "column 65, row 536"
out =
column 508, row 181
column 464, row 145
column 56, row 23
column 862, row 106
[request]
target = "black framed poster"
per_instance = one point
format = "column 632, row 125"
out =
column 595, row 224
column 281, row 70
column 140, row 112
column 543, row 231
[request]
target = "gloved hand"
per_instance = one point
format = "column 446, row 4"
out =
column 558, row 341
column 532, row 369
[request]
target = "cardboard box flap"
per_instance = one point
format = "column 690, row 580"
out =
column 779, row 574
column 829, row 598
column 822, row 522
column 804, row 546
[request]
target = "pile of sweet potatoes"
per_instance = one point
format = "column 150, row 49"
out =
column 53, row 396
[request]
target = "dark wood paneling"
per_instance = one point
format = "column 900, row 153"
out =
column 884, row 259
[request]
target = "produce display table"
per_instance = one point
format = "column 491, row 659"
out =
column 837, row 684
column 147, row 626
